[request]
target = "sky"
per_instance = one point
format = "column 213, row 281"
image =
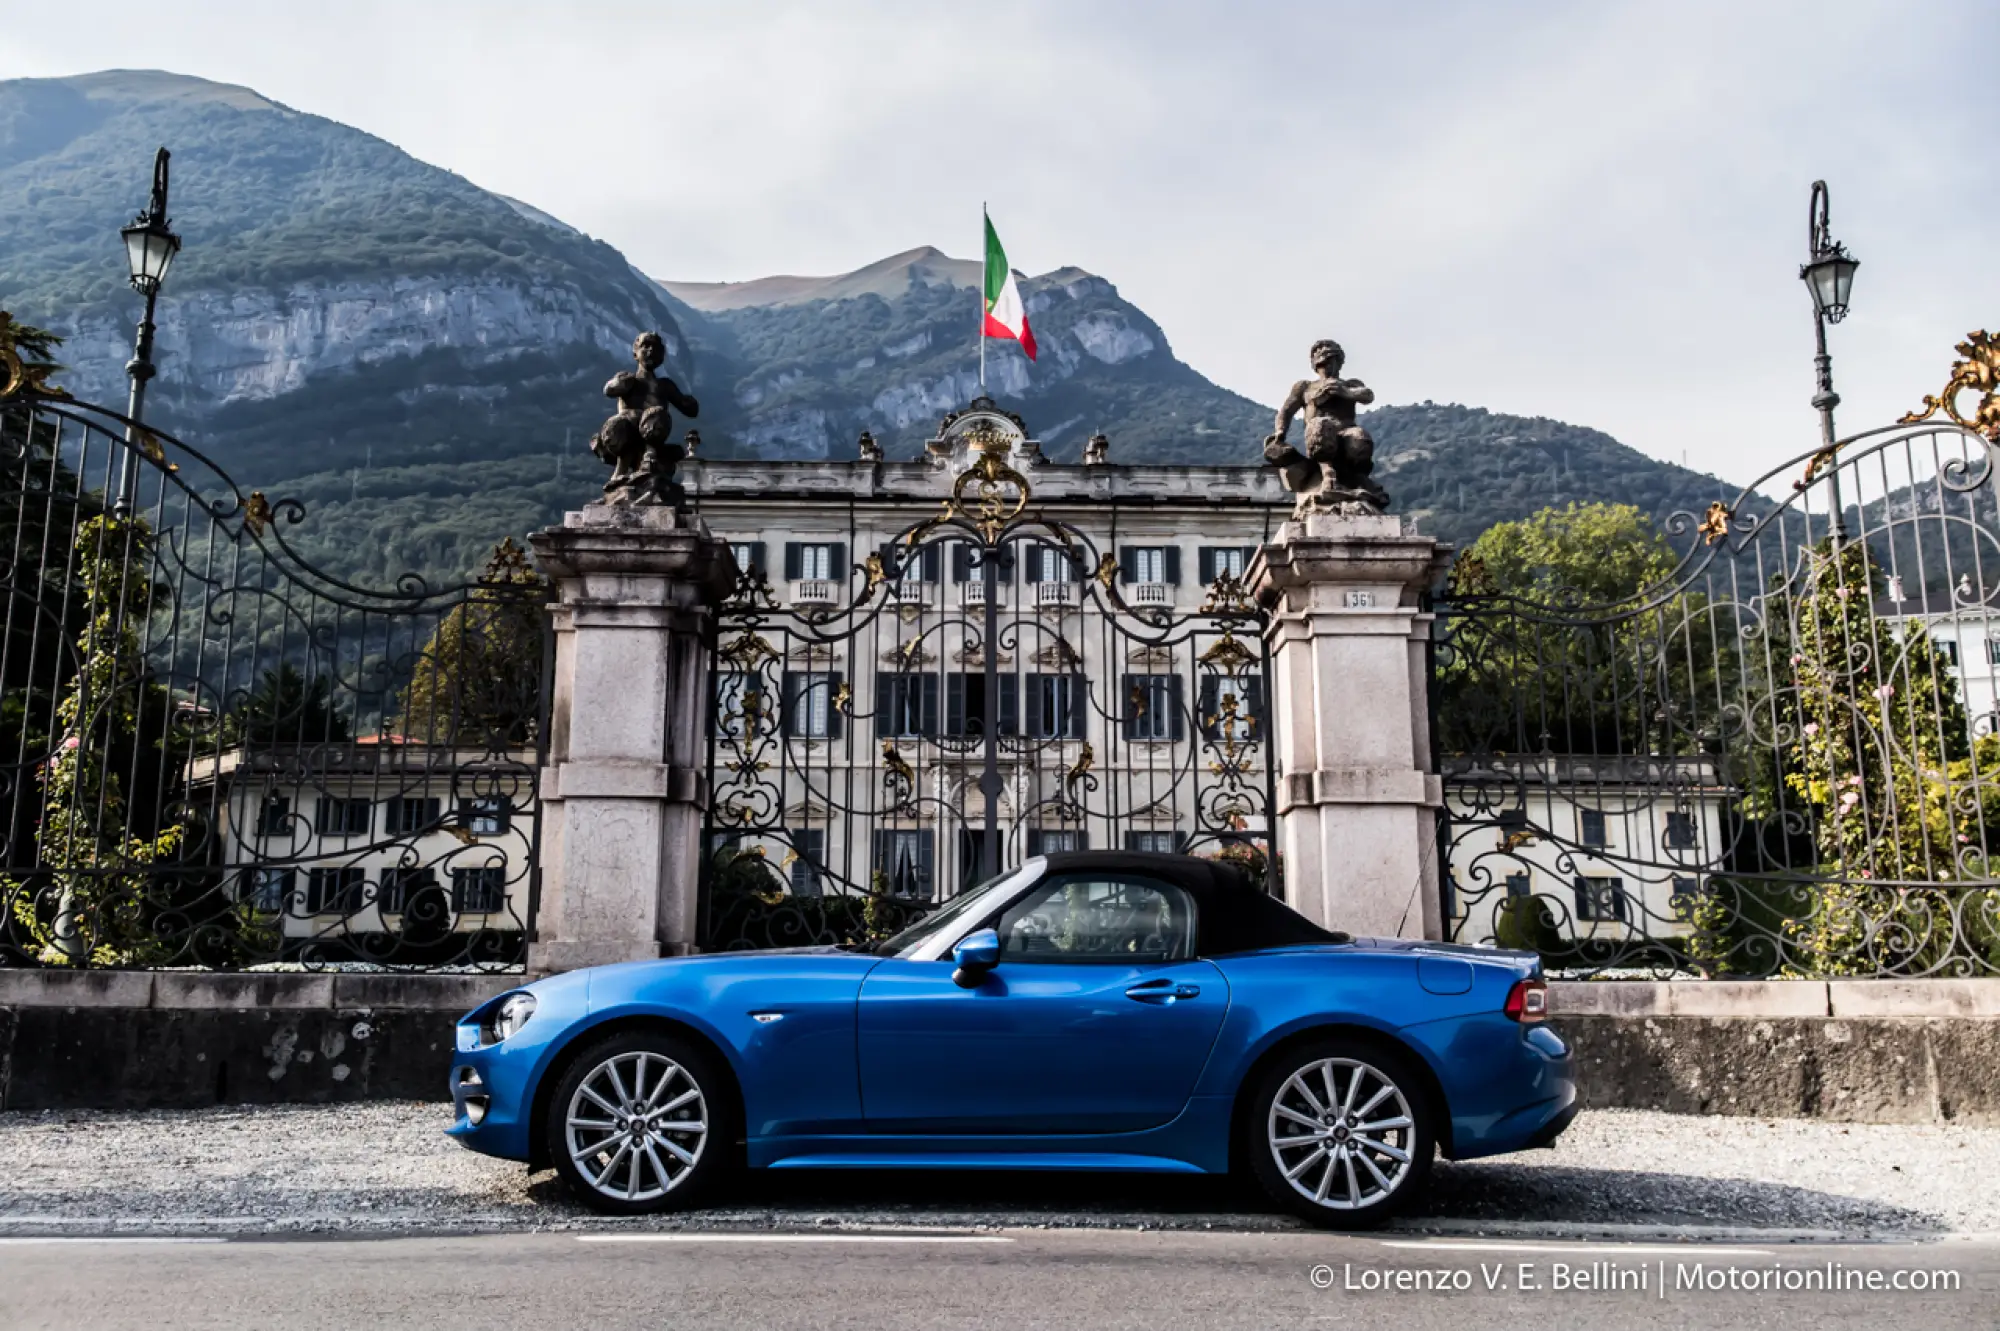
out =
column 1593, row 211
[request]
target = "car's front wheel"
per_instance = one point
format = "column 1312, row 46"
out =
column 1340, row 1132
column 637, row 1124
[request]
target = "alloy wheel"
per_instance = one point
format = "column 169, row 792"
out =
column 1342, row 1134
column 636, row 1127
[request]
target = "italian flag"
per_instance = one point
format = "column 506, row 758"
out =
column 1006, row 316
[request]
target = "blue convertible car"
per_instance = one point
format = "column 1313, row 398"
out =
column 1093, row 1010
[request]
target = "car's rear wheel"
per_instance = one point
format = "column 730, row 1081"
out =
column 1340, row 1131
column 639, row 1123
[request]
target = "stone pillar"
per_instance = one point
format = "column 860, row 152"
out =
column 1357, row 799
column 624, row 791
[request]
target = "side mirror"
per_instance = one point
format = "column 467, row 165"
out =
column 976, row 954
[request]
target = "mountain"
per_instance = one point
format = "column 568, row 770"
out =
column 342, row 318
column 420, row 361
column 810, row 362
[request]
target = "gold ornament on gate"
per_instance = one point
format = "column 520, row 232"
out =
column 1976, row 371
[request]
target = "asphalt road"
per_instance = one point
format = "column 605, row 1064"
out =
column 887, row 1279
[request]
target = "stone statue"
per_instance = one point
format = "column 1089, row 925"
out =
column 1331, row 473
column 634, row 441
column 1097, row 451
column 866, row 449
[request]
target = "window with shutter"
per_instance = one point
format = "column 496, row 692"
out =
column 344, row 817
column 906, row 705
column 1248, row 714
column 808, row 860
column 1153, row 707
column 809, row 710
column 479, row 891
column 966, row 709
column 274, row 816
column 1055, row 706
column 400, row 887
column 485, row 815
column 903, row 860
column 1600, row 899
column 1219, row 561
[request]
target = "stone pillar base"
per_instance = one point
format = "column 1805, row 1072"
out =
column 1357, row 799
column 624, row 792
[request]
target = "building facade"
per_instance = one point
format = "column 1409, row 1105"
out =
column 857, row 724
column 347, row 850
column 1616, row 848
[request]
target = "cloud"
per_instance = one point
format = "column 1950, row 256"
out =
column 1579, row 210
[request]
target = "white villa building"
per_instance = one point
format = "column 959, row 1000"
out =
column 1966, row 631
column 1619, row 846
column 343, row 840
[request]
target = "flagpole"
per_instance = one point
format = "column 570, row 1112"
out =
column 983, row 258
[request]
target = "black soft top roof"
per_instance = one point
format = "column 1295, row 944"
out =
column 1231, row 915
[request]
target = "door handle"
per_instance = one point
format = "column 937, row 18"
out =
column 1162, row 992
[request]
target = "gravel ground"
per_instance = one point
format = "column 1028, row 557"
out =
column 386, row 1167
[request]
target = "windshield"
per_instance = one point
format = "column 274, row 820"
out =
column 967, row 905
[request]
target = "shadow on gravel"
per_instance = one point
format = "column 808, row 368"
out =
column 1459, row 1192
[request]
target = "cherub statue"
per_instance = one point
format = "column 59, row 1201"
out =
column 1331, row 473
column 634, row 441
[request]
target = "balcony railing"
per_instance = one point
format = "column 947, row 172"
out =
column 1150, row 593
column 1056, row 594
column 907, row 593
column 974, row 593
column 815, row 591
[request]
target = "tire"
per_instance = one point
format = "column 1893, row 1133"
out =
column 641, row 1122
column 1374, row 1089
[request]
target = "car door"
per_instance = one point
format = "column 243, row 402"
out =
column 1097, row 1019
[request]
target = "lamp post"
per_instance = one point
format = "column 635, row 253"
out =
column 1829, row 276
column 150, row 246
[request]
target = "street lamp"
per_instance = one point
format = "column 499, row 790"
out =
column 150, row 247
column 1829, row 276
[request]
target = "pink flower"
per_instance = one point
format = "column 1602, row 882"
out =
column 1841, row 592
column 1886, row 692
column 1849, row 800
column 1812, row 727
column 1797, row 659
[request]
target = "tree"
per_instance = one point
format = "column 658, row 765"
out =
column 1880, row 756
column 286, row 708
column 1567, row 633
column 478, row 680
column 1576, row 555
column 98, row 850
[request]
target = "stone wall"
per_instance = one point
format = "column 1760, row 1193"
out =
column 1853, row 1051
column 139, row 1040
column 1849, row 1051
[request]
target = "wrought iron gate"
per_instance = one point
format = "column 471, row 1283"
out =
column 876, row 752
column 1780, row 757
column 214, row 753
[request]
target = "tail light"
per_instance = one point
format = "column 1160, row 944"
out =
column 1528, row 1000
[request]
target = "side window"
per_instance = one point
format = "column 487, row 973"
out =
column 1100, row 919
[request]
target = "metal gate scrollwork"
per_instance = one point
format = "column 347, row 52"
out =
column 874, row 755
column 216, row 754
column 1781, row 759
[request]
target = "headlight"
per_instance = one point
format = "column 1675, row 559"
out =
column 514, row 1012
